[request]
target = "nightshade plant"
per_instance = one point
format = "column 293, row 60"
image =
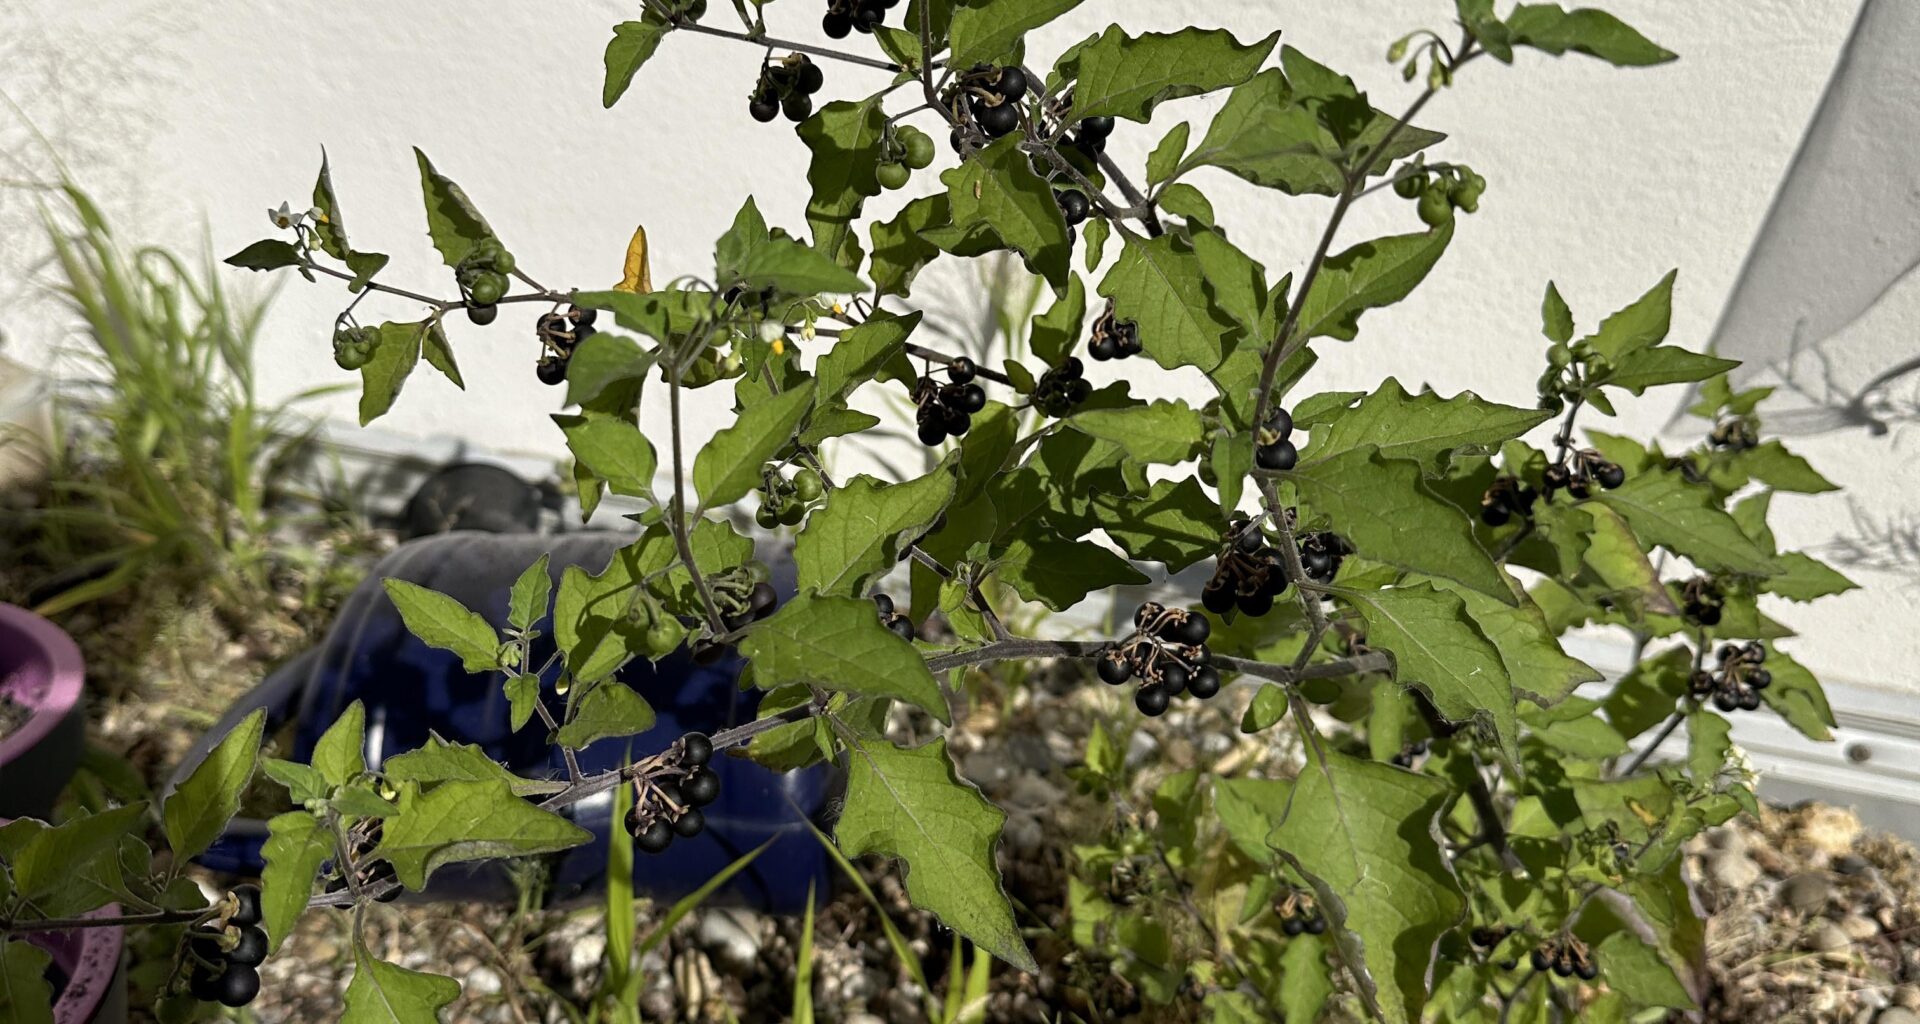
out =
column 1466, row 838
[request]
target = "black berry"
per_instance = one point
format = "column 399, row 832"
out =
column 1114, row 668
column 1278, row 457
column 246, row 905
column 884, row 603
column 482, row 314
column 689, row 823
column 655, row 837
column 237, row 985
column 551, row 370
column 251, row 949
column 700, row 788
column 1151, row 699
column 961, row 370
column 1204, row 683
column 695, row 750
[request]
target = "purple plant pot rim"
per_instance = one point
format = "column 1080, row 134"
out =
column 89, row 957
column 41, row 668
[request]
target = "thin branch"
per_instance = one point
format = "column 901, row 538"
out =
column 64, row 924
column 788, row 44
column 1149, row 218
column 1673, row 722
column 922, row 352
column 573, row 764
column 678, row 520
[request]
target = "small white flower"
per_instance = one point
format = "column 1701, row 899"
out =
column 807, row 332
column 283, row 217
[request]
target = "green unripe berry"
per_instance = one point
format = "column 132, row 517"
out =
column 1464, row 194
column 1410, row 186
column 487, row 288
column 766, row 516
column 891, row 176
column 504, row 262
column 665, row 635
column 808, row 486
column 1559, row 356
column 1434, row 208
column 919, row 148
column 791, row 513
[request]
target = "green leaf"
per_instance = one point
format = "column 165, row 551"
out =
column 394, row 357
column 197, row 812
column 987, row 29
column 441, row 761
column 329, row 227
column 1640, row 325
column 1639, row 972
column 845, row 141
column 297, row 844
column 609, row 709
column 899, row 246
column 873, row 350
column 1805, row 578
column 997, row 188
column 1250, row 809
column 1306, row 980
column 602, row 361
column 1538, row 667
column 1127, row 76
column 748, row 257
column 1388, row 512
column 55, row 856
column 909, row 803
column 1056, row 331
column 1709, row 743
column 1368, row 276
column 1165, row 158
column 1664, row 364
column 1556, row 320
column 522, row 692
column 1163, row 432
column 453, row 221
column 1059, row 572
column 1425, row 428
column 1268, row 707
column 266, row 254
column 1438, row 648
column 1645, row 696
column 440, row 621
column 613, row 448
column 1232, row 458
column 864, row 530
column 303, row 782
column 838, row 643
column 527, row 601
column 462, row 821
column 1160, row 284
column 384, row 993
column 25, row 995
column 1798, row 697
column 364, row 265
column 339, row 755
column 1173, row 523
column 1664, row 509
column 632, row 43
column 1771, row 463
column 439, row 353
column 1555, row 30
column 730, row 464
column 1362, row 832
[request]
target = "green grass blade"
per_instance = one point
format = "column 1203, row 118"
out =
column 695, row 898
column 803, row 968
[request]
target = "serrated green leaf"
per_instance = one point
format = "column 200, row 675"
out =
column 440, row 621
column 1368, row 276
column 440, row 761
column 1709, row 742
column 899, row 247
column 1127, row 76
column 1425, row 428
column 266, row 254
column 1437, row 647
column 730, row 464
column 909, row 803
column 394, row 357
column 1306, row 979
column 838, row 644
column 1664, row 364
column 453, row 221
column 874, row 350
column 613, row 448
column 303, row 782
column 997, row 188
column 1664, row 509
column 340, row 753
column 1798, row 697
column 1805, row 578
column 1163, row 432
column 986, row 29
column 1617, row 558
column 25, row 995
column 1173, row 523
column 1055, row 331
column 1165, row 158
column 609, row 709
column 1059, row 572
column 1553, row 29
column 1250, row 809
column 197, row 812
column 384, row 993
column 1361, row 831
column 527, row 601
column 1645, row 696
column 865, row 529
column 462, row 821
column 1539, row 669
column 750, row 258
column 1772, row 464
column 1638, row 326
column 1637, row 971
column 1388, row 512
column 55, row 856
column 297, row 844
column 439, row 353
column 1160, row 285
column 632, row 44
column 1236, row 284
column 845, row 142
column 603, row 360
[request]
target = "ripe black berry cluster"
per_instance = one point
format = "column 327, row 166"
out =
column 1248, row 575
column 1737, row 680
column 1090, row 136
column 1061, row 388
column 1735, row 434
column 1489, row 936
column 1409, row 752
column 786, row 87
column 667, row 798
column 560, row 333
column 1701, row 600
column 1506, row 498
column 1167, row 652
column 1299, row 913
column 898, row 622
column 353, row 346
column 482, row 276
column 1589, row 467
column 785, row 502
column 744, row 595
column 1321, row 555
column 225, row 958
column 986, row 98
column 1111, row 338
column 1566, row 957
column 1440, row 191
column 844, row 16
column 1273, row 444
column 905, row 149
column 947, row 409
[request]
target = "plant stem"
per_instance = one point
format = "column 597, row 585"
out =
column 678, row 520
column 64, row 924
column 1149, row 218
column 573, row 765
column 922, row 352
column 788, row 44
column 1673, row 722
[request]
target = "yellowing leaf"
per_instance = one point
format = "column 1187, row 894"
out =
column 637, row 275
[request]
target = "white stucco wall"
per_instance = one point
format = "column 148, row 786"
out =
column 201, row 114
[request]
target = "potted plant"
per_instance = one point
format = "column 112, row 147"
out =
column 89, row 984
column 42, row 723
